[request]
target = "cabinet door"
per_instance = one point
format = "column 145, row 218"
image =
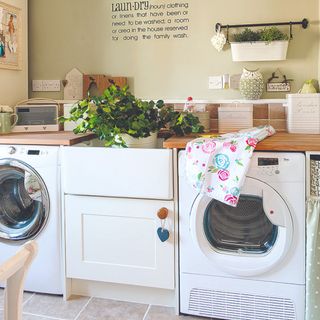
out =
column 115, row 240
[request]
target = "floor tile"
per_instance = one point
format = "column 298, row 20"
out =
column 101, row 309
column 164, row 313
column 55, row 306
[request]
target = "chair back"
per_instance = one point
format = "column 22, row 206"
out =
column 13, row 272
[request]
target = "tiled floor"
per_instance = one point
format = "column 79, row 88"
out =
column 44, row 307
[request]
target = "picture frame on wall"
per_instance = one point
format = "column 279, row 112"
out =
column 10, row 37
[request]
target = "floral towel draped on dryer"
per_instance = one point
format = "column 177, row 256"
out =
column 217, row 167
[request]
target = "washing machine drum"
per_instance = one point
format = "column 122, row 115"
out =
column 24, row 201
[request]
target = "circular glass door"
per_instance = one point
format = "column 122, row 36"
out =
column 244, row 229
column 24, row 201
column 246, row 240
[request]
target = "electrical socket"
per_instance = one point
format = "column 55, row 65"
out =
column 50, row 85
column 46, row 85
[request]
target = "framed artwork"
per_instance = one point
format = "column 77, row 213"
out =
column 10, row 37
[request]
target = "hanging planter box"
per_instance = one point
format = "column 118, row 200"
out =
column 259, row 50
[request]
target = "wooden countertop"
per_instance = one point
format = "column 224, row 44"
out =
column 61, row 138
column 281, row 141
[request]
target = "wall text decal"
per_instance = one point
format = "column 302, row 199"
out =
column 144, row 20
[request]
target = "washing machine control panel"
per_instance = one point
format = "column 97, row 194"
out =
column 31, row 154
column 32, row 151
column 12, row 150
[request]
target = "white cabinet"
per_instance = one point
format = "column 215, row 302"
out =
column 115, row 240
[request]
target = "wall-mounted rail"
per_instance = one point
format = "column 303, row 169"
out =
column 304, row 23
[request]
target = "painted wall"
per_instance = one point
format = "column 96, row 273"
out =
column 77, row 33
column 14, row 83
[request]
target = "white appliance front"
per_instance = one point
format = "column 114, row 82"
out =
column 258, row 244
column 30, row 209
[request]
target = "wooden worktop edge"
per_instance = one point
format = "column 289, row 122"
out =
column 281, row 141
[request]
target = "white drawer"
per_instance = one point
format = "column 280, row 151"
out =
column 128, row 173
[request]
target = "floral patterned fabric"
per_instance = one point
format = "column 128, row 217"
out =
column 217, row 166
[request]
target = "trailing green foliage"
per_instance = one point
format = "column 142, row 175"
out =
column 266, row 34
column 118, row 111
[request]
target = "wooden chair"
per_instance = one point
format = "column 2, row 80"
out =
column 13, row 272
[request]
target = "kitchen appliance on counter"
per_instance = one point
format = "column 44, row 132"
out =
column 30, row 209
column 246, row 262
column 38, row 115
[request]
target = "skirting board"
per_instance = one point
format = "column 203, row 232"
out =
column 154, row 296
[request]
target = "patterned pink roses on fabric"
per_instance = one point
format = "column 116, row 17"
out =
column 252, row 142
column 223, row 175
column 209, row 147
column 231, row 199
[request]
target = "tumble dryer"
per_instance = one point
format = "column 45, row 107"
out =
column 30, row 209
column 246, row 262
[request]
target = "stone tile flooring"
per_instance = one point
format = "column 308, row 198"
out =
column 44, row 307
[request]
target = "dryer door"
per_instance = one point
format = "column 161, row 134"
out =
column 248, row 240
column 24, row 201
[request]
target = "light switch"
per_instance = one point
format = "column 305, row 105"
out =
column 215, row 82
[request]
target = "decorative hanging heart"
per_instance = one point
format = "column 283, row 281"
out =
column 163, row 234
column 218, row 41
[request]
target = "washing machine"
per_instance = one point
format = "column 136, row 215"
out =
column 246, row 262
column 30, row 209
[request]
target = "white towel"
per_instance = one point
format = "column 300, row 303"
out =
column 217, row 166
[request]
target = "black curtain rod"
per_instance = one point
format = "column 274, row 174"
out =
column 304, row 24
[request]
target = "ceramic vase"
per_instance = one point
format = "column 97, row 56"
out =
column 251, row 84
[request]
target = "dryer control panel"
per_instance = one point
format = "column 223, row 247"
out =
column 265, row 162
column 277, row 167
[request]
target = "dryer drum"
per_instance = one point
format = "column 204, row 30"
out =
column 245, row 227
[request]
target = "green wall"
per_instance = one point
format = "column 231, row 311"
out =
column 14, row 83
column 77, row 33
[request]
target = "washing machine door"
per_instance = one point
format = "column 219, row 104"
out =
column 24, row 201
column 248, row 240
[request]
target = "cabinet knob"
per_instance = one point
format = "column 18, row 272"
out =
column 163, row 213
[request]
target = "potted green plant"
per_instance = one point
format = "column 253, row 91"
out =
column 261, row 45
column 118, row 116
